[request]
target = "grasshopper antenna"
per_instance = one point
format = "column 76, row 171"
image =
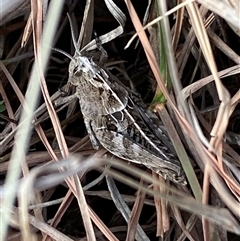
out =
column 73, row 39
column 63, row 52
column 73, row 36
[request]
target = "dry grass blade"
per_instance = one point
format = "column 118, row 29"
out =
column 45, row 228
column 136, row 211
column 84, row 209
column 173, row 76
column 27, row 186
column 206, row 184
column 8, row 107
column 220, row 216
column 27, row 31
column 163, row 220
column 192, row 88
column 104, row 229
column 178, row 26
column 13, row 9
column 63, row 207
column 221, row 122
column 105, row 38
column 223, row 46
column 13, row 84
column 123, row 208
column 74, row 183
column 156, row 20
column 87, row 25
column 148, row 50
column 223, row 9
column 155, row 69
column 18, row 153
column 185, row 228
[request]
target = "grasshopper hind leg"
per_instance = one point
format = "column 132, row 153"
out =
column 93, row 139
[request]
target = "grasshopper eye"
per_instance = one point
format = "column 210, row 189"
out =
column 77, row 71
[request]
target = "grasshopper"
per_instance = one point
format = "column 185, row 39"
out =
column 116, row 118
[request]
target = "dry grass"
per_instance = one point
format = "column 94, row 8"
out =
column 57, row 187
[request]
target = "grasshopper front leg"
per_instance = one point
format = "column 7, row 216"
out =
column 63, row 100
